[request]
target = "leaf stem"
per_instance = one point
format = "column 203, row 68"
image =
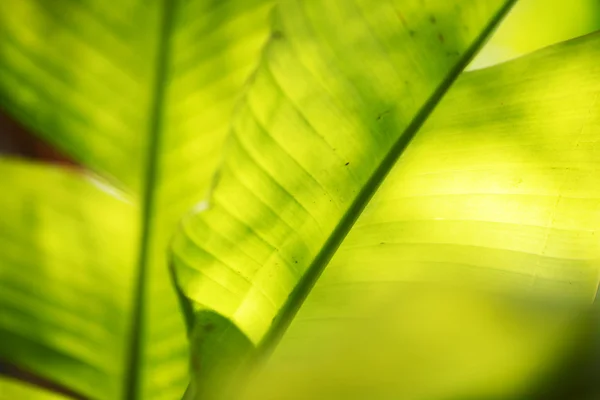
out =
column 133, row 371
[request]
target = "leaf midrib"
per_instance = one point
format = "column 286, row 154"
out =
column 316, row 268
column 133, row 367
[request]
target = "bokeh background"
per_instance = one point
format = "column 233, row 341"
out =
column 534, row 24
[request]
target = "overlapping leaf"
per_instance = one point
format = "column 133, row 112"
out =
column 341, row 89
column 500, row 192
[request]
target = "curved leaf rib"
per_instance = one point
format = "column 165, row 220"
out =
column 341, row 89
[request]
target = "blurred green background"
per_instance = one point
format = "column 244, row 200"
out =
column 533, row 24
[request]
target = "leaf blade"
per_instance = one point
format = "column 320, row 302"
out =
column 313, row 128
column 12, row 389
column 142, row 129
column 498, row 193
column 53, row 312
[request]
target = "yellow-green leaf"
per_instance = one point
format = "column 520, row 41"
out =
column 140, row 92
column 66, row 278
column 463, row 275
column 11, row 389
column 341, row 89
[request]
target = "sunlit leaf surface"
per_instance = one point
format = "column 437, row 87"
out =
column 141, row 93
column 498, row 193
column 326, row 115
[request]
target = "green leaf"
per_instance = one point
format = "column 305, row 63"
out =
column 499, row 193
column 500, row 187
column 95, row 79
column 11, row 389
column 418, row 341
column 65, row 297
column 140, row 92
column 535, row 24
column 341, row 89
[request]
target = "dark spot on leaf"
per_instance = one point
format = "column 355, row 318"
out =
column 432, row 19
column 277, row 35
column 382, row 243
column 347, row 163
column 441, row 37
column 381, row 114
column 412, row 33
column 209, row 327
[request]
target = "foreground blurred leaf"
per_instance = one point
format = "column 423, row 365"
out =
column 139, row 91
column 499, row 192
column 340, row 90
column 417, row 342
